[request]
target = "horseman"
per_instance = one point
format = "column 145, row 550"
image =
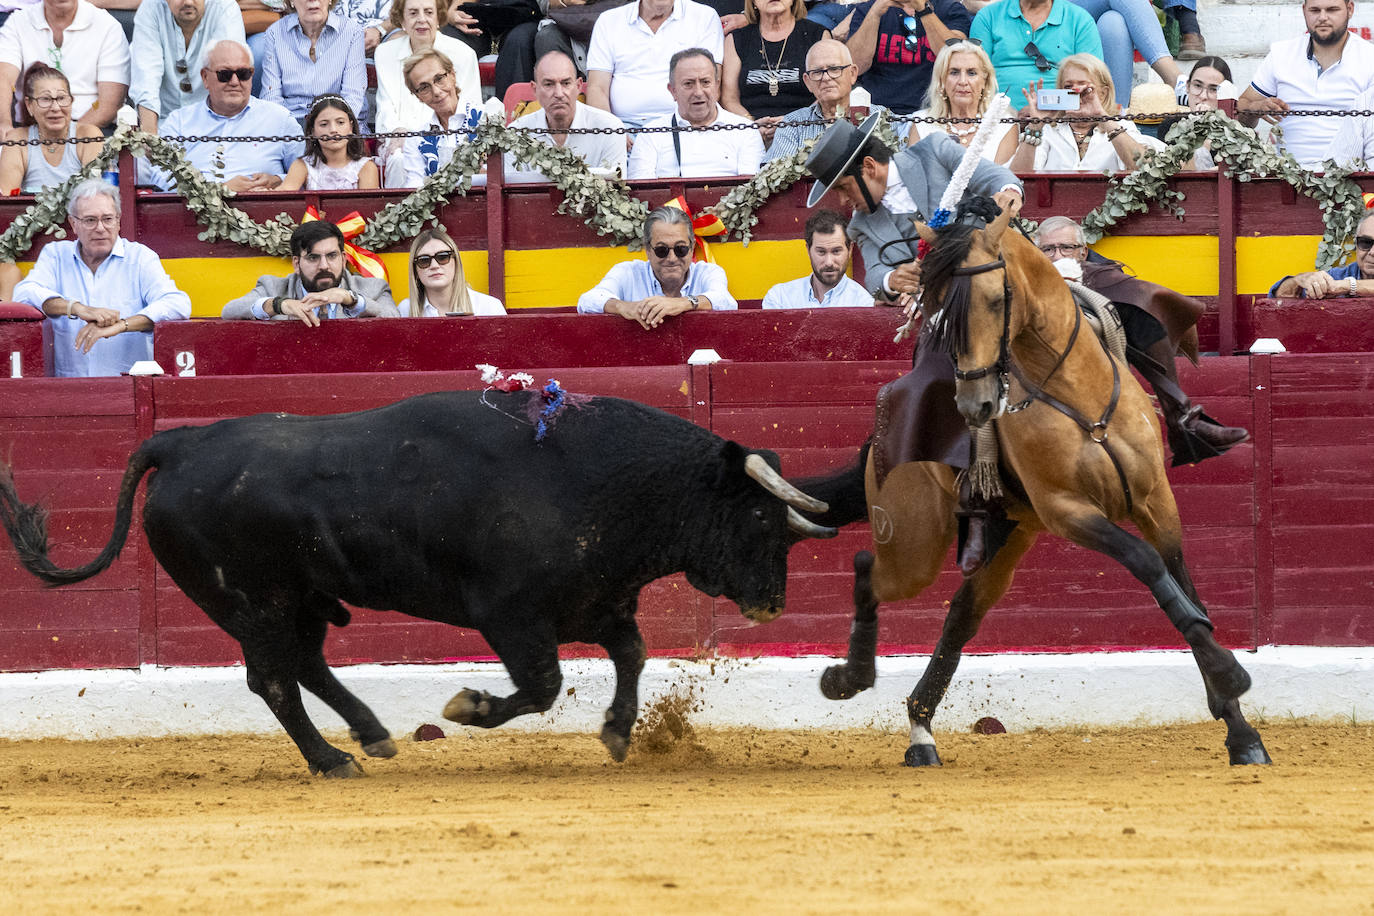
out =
column 916, row 419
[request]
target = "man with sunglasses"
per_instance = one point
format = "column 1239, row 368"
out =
column 169, row 37
column 1026, row 40
column 1159, row 324
column 895, row 43
column 321, row 287
column 229, row 110
column 1353, row 279
column 667, row 283
column 830, row 74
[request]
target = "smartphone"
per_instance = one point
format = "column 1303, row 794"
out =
column 1056, row 100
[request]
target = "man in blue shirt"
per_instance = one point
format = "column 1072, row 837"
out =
column 125, row 278
column 1353, row 279
column 229, row 110
column 894, row 46
column 827, row 246
column 170, row 38
column 666, row 283
column 1027, row 39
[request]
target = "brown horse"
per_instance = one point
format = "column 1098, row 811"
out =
column 1080, row 448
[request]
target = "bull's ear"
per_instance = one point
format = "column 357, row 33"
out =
column 732, row 456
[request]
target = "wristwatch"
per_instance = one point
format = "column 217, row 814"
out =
column 695, row 301
column 1354, row 287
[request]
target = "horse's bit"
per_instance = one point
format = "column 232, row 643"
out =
column 1005, row 366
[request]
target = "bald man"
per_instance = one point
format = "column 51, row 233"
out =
column 830, row 75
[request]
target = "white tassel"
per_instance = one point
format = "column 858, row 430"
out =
column 958, row 183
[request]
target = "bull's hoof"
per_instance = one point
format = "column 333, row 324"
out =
column 347, row 769
column 617, row 744
column 1250, row 754
column 467, row 707
column 838, row 682
column 384, row 748
column 921, row 755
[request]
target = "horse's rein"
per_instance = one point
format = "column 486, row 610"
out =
column 1096, row 431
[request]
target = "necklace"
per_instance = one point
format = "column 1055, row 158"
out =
column 773, row 72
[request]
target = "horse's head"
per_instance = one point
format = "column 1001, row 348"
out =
column 969, row 304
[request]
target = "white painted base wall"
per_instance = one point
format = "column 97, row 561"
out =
column 1022, row 691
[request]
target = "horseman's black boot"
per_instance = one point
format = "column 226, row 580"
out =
column 1193, row 435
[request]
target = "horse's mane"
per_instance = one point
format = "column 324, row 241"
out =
column 953, row 293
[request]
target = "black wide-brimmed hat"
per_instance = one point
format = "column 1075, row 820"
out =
column 834, row 154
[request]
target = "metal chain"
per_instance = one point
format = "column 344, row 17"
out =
column 748, row 125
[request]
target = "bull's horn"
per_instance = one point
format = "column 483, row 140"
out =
column 772, row 481
column 804, row 526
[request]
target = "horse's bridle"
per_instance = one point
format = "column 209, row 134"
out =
column 1005, row 366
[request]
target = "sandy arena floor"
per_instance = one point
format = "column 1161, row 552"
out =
column 1098, row 821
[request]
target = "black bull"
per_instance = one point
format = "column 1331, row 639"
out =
column 444, row 506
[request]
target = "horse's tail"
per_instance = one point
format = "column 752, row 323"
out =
column 27, row 525
column 842, row 491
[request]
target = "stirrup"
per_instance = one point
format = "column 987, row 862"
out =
column 1190, row 448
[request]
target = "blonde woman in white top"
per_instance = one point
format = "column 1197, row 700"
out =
column 1112, row 144
column 437, row 284
column 963, row 85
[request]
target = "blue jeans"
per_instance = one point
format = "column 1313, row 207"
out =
column 1126, row 26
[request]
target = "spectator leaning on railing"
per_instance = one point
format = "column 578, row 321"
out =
column 555, row 88
column 92, row 52
column 170, row 37
column 827, row 286
column 682, row 153
column 101, row 293
column 666, row 283
column 1325, row 70
column 1353, row 279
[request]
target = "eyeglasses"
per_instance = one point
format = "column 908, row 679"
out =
column 820, row 73
column 958, row 41
column 49, row 101
column 681, row 250
column 184, row 69
column 425, row 89
column 90, row 222
column 1198, row 87
column 439, row 257
column 1042, row 63
column 243, row 73
column 1363, row 243
column 1053, row 250
column 312, row 257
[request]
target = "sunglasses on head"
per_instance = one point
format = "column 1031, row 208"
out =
column 681, row 249
column 1042, row 63
column 439, row 257
column 243, row 73
column 183, row 69
column 1363, row 243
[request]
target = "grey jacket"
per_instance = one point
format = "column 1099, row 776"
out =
column 925, row 169
column 374, row 297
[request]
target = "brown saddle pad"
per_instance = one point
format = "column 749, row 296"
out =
column 916, row 417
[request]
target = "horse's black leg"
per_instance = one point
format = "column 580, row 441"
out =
column 1222, row 674
column 840, row 682
column 970, row 604
column 314, row 675
column 625, row 646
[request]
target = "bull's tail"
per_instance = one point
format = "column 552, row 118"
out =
column 28, row 525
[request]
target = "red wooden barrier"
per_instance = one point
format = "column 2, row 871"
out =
column 22, row 342
column 1274, row 531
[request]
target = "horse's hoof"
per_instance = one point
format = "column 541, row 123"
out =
column 467, row 706
column 617, row 744
column 921, row 755
column 1250, row 754
column 384, row 748
column 838, row 682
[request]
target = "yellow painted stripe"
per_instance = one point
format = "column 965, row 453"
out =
column 1187, row 263
column 1262, row 262
column 557, row 276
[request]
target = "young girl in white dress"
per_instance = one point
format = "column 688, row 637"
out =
column 332, row 163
